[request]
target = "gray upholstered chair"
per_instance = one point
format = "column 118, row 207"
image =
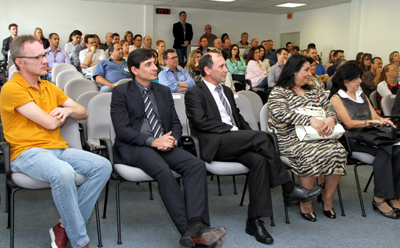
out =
column 124, row 80
column 256, row 102
column 76, row 87
column 387, row 104
column 65, row 76
column 59, row 68
column 374, row 100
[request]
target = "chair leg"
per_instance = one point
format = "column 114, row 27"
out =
column 99, row 241
column 340, row 200
column 286, row 212
column 119, row 242
column 369, row 181
column 8, row 193
column 106, row 200
column 359, row 191
column 11, row 217
column 212, row 178
column 244, row 191
column 234, row 185
column 219, row 186
column 272, row 221
column 151, row 192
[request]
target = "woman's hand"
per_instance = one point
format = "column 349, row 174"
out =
column 386, row 121
column 317, row 125
column 329, row 125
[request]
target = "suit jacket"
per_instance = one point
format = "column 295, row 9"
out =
column 6, row 47
column 205, row 119
column 223, row 53
column 46, row 43
column 179, row 36
column 127, row 114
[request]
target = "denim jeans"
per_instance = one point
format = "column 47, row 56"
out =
column 106, row 89
column 182, row 56
column 263, row 83
column 58, row 167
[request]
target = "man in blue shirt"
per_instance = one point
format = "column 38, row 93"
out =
column 312, row 52
column 55, row 55
column 109, row 71
column 178, row 80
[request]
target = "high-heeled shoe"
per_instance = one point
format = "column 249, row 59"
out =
column 330, row 213
column 391, row 214
column 310, row 217
column 389, row 202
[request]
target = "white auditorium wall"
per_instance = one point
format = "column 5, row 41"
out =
column 63, row 16
column 362, row 25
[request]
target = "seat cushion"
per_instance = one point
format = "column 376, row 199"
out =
column 285, row 161
column 363, row 157
column 226, row 168
column 27, row 182
column 134, row 174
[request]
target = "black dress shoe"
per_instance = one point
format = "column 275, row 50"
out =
column 201, row 234
column 300, row 194
column 310, row 217
column 330, row 213
column 256, row 228
column 217, row 244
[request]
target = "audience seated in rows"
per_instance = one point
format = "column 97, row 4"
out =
column 55, row 55
column 269, row 52
column 192, row 65
column 263, row 60
column 160, row 44
column 275, row 70
column 108, row 42
column 74, row 40
column 236, row 64
column 129, row 37
column 253, row 43
column 337, row 54
column 371, row 78
column 204, row 46
column 178, row 80
column 256, row 71
column 312, row 52
column 147, row 42
column 389, row 84
column 331, row 60
column 90, row 56
column 208, row 35
column 125, row 48
column 218, row 48
column 137, row 43
column 366, row 62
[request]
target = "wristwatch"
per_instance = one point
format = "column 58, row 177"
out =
column 178, row 83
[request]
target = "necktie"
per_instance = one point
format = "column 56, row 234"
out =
column 225, row 103
column 151, row 116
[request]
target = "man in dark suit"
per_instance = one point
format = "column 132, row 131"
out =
column 183, row 34
column 147, row 131
column 225, row 136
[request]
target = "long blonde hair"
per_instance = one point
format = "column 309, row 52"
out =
column 190, row 63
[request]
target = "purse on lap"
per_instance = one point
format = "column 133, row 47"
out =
column 306, row 133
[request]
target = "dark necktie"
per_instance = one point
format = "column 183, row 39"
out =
column 151, row 116
column 225, row 103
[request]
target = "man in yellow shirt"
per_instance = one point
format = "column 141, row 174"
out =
column 32, row 112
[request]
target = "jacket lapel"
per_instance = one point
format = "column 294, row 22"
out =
column 210, row 98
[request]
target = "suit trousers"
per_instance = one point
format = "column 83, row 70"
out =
column 254, row 150
column 386, row 169
column 180, row 206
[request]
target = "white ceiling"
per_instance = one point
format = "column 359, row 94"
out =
column 255, row 6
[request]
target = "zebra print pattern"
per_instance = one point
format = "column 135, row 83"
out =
column 307, row 158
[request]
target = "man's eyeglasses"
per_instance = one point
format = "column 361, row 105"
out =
column 37, row 58
column 175, row 57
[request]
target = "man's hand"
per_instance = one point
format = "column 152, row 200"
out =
column 93, row 49
column 165, row 142
column 61, row 113
column 83, row 66
column 185, row 43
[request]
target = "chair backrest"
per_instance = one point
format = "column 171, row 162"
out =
column 387, row 104
column 246, row 110
column 255, row 100
column 70, row 132
column 59, row 68
column 264, row 116
column 65, row 76
column 99, row 120
column 10, row 62
column 76, row 87
column 12, row 68
column 85, row 98
column 179, row 100
column 11, row 74
column 374, row 100
column 124, row 80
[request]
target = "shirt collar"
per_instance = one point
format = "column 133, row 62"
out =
column 169, row 69
column 358, row 93
column 22, row 81
column 210, row 86
column 49, row 50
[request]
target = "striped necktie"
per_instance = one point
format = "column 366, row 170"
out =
column 228, row 109
column 151, row 116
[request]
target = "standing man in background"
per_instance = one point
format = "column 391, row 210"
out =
column 183, row 34
column 13, row 29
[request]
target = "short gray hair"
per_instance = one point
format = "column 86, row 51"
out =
column 339, row 62
column 17, row 46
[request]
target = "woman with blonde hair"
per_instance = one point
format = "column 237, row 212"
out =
column 38, row 33
column 330, row 62
column 160, row 44
column 389, row 84
column 192, row 65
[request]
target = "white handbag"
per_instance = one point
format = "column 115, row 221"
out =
column 305, row 133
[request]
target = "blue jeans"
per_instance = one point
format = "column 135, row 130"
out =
column 105, row 89
column 58, row 167
column 181, row 52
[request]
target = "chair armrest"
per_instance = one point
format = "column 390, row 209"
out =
column 105, row 144
column 190, row 144
column 345, row 140
column 83, row 132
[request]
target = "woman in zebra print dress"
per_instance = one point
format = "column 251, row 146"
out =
column 308, row 159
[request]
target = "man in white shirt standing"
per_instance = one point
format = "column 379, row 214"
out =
column 91, row 56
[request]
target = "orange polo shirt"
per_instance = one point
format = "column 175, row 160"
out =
column 19, row 131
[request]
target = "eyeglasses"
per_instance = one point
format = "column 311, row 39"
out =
column 37, row 58
column 175, row 57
